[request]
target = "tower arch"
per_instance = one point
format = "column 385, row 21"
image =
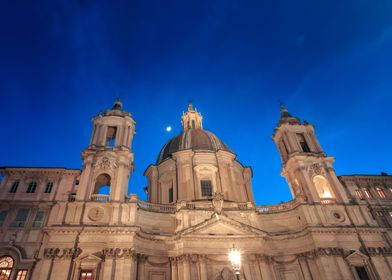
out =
column 102, row 184
column 323, row 187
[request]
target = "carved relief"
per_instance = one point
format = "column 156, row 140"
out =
column 96, row 213
column 64, row 253
column 317, row 169
column 226, row 274
column 106, row 163
column 384, row 251
column 329, row 251
column 217, row 202
column 119, row 253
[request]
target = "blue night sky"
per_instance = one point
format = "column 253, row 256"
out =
column 61, row 62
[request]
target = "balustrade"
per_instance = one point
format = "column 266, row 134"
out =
column 329, row 200
column 100, row 197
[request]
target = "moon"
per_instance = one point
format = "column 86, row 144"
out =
column 168, row 128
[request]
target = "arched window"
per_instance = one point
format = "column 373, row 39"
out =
column 102, row 184
column 323, row 187
column 102, row 188
column 32, row 186
column 6, row 265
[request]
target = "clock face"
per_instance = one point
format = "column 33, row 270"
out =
column 96, row 213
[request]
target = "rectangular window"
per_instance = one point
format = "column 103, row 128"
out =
column 22, row 274
column 39, row 219
column 31, row 188
column 359, row 194
column 367, row 193
column 379, row 213
column 111, row 136
column 171, row 195
column 49, row 187
column 285, row 147
column 380, row 192
column 302, row 143
column 21, row 217
column 3, row 216
column 362, row 273
column 14, row 187
column 86, row 275
column 206, row 188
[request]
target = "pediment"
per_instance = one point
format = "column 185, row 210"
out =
column 357, row 259
column 222, row 226
column 90, row 258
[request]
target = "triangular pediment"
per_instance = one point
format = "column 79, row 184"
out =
column 90, row 258
column 219, row 225
column 357, row 259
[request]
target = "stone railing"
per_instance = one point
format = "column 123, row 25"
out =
column 71, row 197
column 100, row 197
column 329, row 200
column 164, row 208
column 207, row 205
column 281, row 207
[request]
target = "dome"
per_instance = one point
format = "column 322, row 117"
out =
column 195, row 139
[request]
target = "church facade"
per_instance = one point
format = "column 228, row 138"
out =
column 57, row 224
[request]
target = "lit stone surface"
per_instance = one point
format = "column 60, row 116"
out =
column 200, row 204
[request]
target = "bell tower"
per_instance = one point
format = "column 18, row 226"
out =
column 108, row 160
column 306, row 167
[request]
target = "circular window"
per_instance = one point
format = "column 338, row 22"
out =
column 338, row 216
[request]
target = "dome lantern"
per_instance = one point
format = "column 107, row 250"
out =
column 191, row 119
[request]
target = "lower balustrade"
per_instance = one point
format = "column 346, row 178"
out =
column 100, row 197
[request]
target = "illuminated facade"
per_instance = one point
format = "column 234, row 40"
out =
column 57, row 224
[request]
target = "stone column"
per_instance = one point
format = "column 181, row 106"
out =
column 108, row 268
column 186, row 267
column 174, row 268
column 246, row 273
column 141, row 266
column 119, row 268
column 304, row 267
column 264, row 266
column 254, row 267
column 203, row 267
column 313, row 267
column 62, row 261
column 344, row 268
column 326, row 259
column 60, row 268
column 92, row 138
column 381, row 266
column 44, row 272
